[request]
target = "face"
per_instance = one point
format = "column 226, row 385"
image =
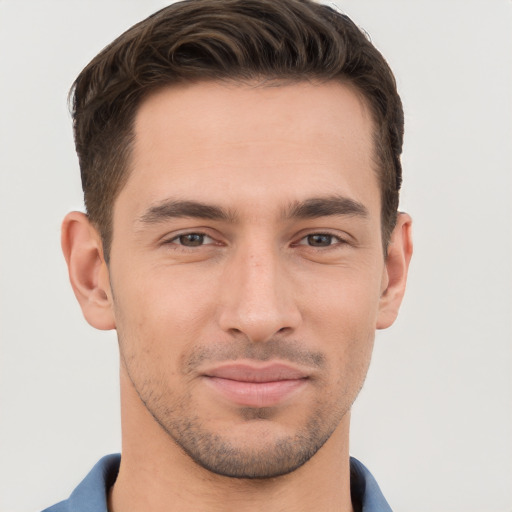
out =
column 247, row 269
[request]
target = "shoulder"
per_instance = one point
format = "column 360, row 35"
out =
column 62, row 506
column 91, row 493
column 365, row 491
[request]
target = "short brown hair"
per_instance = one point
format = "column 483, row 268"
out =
column 241, row 40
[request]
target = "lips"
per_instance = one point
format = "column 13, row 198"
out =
column 252, row 385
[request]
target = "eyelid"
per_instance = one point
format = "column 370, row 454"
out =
column 340, row 240
column 175, row 239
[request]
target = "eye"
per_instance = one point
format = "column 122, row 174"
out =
column 191, row 240
column 320, row 240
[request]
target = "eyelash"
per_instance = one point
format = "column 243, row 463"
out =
column 334, row 239
column 337, row 240
column 177, row 238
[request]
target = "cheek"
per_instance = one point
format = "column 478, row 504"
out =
column 162, row 312
column 342, row 318
column 344, row 300
column 348, row 342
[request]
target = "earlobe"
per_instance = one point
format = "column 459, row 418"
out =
column 88, row 272
column 396, row 268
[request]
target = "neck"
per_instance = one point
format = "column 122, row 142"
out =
column 156, row 475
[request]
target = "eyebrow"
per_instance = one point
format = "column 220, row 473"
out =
column 170, row 209
column 325, row 207
column 309, row 209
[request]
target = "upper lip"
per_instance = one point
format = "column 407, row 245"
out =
column 247, row 372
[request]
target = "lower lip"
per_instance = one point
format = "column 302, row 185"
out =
column 256, row 394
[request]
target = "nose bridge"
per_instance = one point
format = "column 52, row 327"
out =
column 258, row 300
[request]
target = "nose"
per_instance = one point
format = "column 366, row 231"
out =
column 257, row 297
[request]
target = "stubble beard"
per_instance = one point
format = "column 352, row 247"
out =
column 218, row 453
column 273, row 454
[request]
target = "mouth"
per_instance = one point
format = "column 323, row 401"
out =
column 253, row 385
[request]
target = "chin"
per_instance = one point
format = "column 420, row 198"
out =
column 259, row 447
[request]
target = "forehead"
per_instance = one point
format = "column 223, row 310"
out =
column 212, row 140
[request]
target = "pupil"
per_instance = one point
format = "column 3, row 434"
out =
column 319, row 240
column 192, row 240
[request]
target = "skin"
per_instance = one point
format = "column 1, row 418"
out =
column 292, row 272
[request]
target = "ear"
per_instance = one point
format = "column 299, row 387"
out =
column 88, row 272
column 395, row 273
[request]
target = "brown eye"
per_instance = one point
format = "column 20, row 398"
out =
column 190, row 239
column 319, row 240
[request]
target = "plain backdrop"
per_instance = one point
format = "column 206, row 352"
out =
column 433, row 422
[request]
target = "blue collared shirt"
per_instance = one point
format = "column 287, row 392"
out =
column 91, row 494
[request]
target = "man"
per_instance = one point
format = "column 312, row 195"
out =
column 240, row 162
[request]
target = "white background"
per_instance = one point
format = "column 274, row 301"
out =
column 434, row 420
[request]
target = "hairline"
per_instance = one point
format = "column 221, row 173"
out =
column 128, row 139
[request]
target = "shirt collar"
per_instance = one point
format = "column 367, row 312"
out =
column 91, row 494
column 365, row 491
